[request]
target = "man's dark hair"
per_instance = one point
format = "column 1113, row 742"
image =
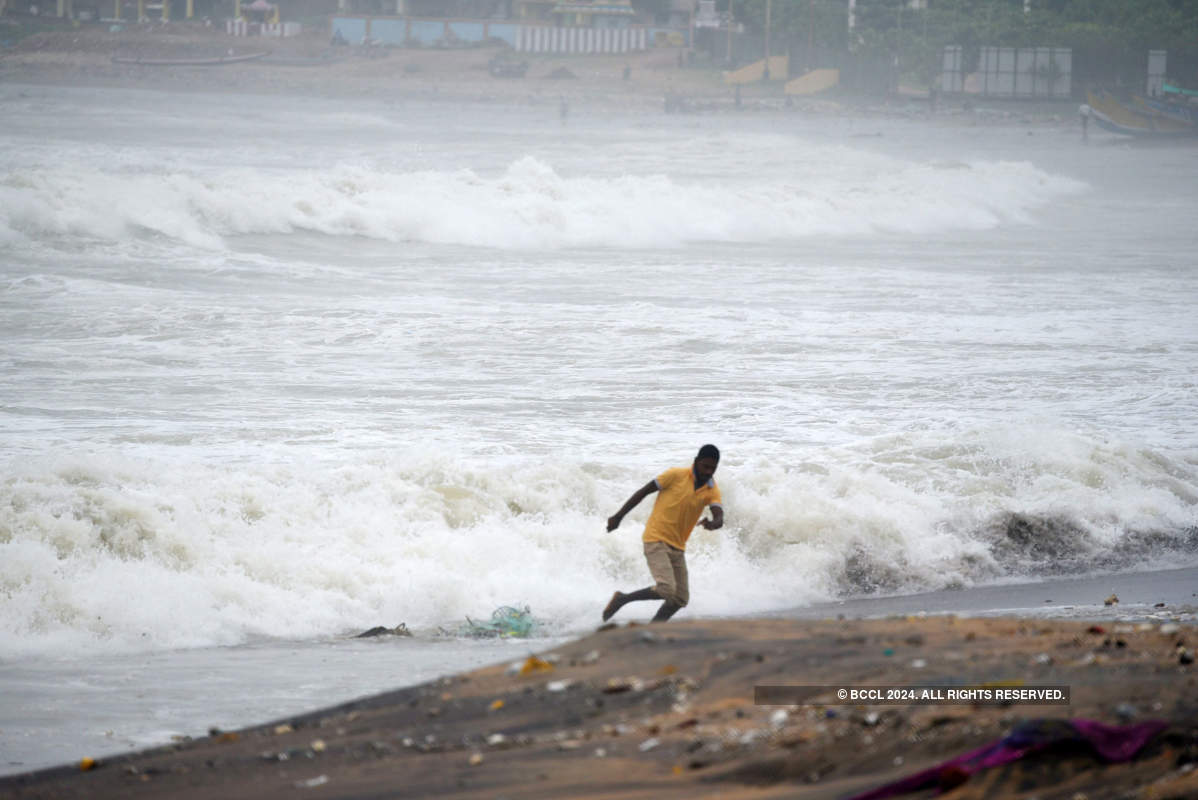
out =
column 709, row 451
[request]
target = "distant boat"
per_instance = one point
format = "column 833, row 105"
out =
column 1116, row 117
column 188, row 62
column 1182, row 112
column 1169, row 88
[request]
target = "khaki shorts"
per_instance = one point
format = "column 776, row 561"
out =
column 667, row 565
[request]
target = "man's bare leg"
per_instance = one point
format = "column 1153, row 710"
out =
column 619, row 599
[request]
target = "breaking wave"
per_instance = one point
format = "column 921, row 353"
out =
column 529, row 205
column 112, row 552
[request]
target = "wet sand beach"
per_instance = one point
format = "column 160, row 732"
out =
column 668, row 711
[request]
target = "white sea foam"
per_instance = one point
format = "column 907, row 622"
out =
column 106, row 552
column 529, row 205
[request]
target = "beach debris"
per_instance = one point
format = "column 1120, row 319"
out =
column 1170, row 628
column 779, row 717
column 282, row 729
column 590, row 658
column 381, row 630
column 648, row 744
column 476, row 759
column 1096, row 629
column 1112, row 600
column 495, row 705
column 312, row 783
column 748, row 737
column 496, row 740
column 620, row 685
column 318, row 746
column 559, row 686
column 569, row 744
column 1126, row 711
column 1184, row 657
column 1111, row 742
column 505, row 622
column 533, row 665
column 86, row 764
column 600, row 752
column 918, row 663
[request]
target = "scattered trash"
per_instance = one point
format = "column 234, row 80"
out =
column 282, row 729
column 1170, row 628
column 86, row 764
column 496, row 740
column 590, row 658
column 534, row 664
column 559, row 686
column 648, row 745
column 496, row 705
column 476, row 759
column 1185, row 657
column 1111, row 742
column 399, row 630
column 505, row 621
column 620, row 685
column 318, row 746
column 1112, row 600
column 312, row 783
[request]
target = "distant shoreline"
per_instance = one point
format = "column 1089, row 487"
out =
column 308, row 67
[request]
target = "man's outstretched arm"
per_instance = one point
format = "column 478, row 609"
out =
column 717, row 519
column 614, row 520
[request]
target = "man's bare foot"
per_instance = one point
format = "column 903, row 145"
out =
column 613, row 605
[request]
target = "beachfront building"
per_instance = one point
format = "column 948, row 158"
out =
column 534, row 10
column 596, row 13
column 536, row 26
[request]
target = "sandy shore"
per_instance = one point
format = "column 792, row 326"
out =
column 668, row 711
column 308, row 67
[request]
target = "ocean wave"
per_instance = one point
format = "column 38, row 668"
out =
column 119, row 553
column 529, row 205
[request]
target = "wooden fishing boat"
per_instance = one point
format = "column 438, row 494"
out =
column 1154, row 105
column 1111, row 114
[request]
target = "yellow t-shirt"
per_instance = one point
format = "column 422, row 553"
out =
column 678, row 506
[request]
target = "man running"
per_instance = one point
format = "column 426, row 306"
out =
column 685, row 492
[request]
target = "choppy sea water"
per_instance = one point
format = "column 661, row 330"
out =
column 272, row 373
